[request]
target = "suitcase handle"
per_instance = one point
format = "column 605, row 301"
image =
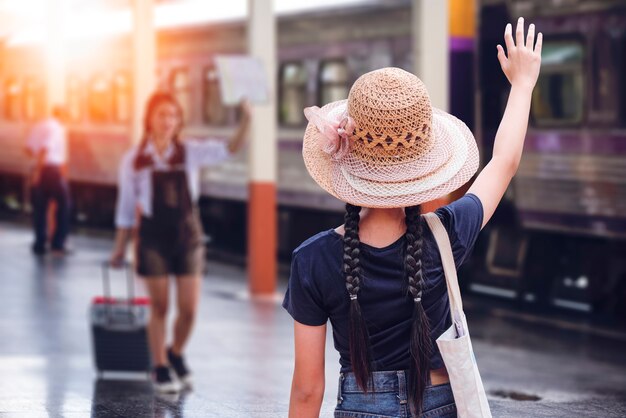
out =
column 106, row 283
column 106, row 280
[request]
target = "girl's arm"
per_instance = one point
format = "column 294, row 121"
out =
column 521, row 67
column 122, row 237
column 125, row 211
column 205, row 153
column 238, row 138
column 307, row 387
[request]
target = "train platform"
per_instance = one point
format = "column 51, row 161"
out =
column 242, row 351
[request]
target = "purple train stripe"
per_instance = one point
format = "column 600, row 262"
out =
column 348, row 48
column 324, row 51
column 591, row 224
column 290, row 198
column 461, row 44
column 293, row 145
column 596, row 143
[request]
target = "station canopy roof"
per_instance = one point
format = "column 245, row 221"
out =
column 24, row 21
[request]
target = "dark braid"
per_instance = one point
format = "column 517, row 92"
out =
column 420, row 345
column 359, row 340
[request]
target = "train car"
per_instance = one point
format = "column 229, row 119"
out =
column 319, row 58
column 558, row 238
column 98, row 110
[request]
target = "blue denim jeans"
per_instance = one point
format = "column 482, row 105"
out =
column 389, row 398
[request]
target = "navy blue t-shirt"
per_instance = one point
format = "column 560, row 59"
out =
column 317, row 290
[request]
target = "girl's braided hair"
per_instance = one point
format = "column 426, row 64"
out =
column 420, row 341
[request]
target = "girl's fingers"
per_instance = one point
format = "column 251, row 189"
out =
column 539, row 43
column 501, row 55
column 519, row 33
column 508, row 38
column 530, row 37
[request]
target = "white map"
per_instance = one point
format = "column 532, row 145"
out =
column 241, row 76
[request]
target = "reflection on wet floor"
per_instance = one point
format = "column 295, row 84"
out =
column 242, row 352
column 117, row 397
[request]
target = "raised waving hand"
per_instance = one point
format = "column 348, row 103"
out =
column 520, row 63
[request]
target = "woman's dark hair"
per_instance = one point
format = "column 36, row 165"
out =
column 359, row 338
column 420, row 342
column 155, row 100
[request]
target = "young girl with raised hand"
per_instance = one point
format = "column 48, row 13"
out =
column 159, row 187
column 379, row 278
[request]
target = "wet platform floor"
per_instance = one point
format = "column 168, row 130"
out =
column 242, row 352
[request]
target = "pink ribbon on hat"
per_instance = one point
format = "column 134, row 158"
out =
column 336, row 130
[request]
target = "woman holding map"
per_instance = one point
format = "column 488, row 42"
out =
column 158, row 194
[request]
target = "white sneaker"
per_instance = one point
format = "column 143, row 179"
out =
column 180, row 368
column 163, row 382
column 187, row 381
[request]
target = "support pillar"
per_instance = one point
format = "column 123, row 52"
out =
column 431, row 57
column 262, row 207
column 430, row 48
column 144, row 63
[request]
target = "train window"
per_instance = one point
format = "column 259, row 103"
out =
column 99, row 99
column 33, row 99
column 121, row 97
column 293, row 79
column 74, row 102
column 12, row 99
column 559, row 94
column 181, row 88
column 603, row 79
column 333, row 82
column 214, row 112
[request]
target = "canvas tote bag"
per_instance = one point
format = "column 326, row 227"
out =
column 455, row 344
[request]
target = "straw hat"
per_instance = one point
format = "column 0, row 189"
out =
column 386, row 146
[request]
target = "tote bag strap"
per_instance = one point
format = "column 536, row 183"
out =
column 447, row 259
